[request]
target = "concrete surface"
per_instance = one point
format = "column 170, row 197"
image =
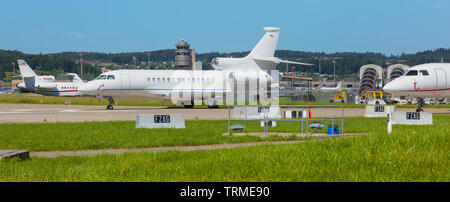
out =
column 53, row 154
column 27, row 113
column 22, row 154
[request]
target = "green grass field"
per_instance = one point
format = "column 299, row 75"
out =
column 123, row 134
column 120, row 134
column 410, row 153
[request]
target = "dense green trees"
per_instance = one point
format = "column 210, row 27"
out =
column 48, row 64
column 347, row 63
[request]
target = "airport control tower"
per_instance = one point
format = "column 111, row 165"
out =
column 183, row 59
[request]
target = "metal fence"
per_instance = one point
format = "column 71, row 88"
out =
column 265, row 117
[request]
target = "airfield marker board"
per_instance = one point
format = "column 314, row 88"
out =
column 378, row 110
column 253, row 112
column 412, row 118
column 160, row 121
column 409, row 118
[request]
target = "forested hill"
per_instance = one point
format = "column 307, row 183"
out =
column 346, row 62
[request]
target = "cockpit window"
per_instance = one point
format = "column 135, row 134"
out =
column 111, row 77
column 423, row 73
column 101, row 77
column 411, row 73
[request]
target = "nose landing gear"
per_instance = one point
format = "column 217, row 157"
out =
column 421, row 103
column 110, row 103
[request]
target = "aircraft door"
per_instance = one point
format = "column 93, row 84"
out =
column 125, row 84
column 441, row 78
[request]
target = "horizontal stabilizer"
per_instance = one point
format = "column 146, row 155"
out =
column 76, row 78
column 278, row 60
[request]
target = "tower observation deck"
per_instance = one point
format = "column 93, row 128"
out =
column 183, row 57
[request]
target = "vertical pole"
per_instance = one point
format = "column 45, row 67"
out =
column 81, row 62
column 332, row 126
column 334, row 72
column 389, row 123
column 303, row 119
column 342, row 120
column 320, row 76
column 229, row 117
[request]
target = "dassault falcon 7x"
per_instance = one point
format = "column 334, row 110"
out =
column 193, row 87
column 422, row 81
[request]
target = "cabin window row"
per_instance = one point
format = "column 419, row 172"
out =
column 69, row 87
column 415, row 73
column 107, row 77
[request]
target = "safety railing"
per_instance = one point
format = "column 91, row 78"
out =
column 264, row 115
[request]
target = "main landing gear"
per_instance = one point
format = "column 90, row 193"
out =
column 191, row 105
column 110, row 103
column 421, row 103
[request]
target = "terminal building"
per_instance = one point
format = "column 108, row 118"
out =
column 373, row 77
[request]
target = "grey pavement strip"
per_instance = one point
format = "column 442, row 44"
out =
column 53, row 154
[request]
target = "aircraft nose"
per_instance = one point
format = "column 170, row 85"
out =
column 86, row 89
column 388, row 87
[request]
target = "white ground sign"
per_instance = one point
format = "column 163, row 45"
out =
column 409, row 118
column 256, row 112
column 378, row 110
column 412, row 118
column 160, row 121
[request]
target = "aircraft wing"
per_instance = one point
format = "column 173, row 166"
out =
column 278, row 60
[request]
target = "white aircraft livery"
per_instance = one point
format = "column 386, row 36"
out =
column 231, row 75
column 422, row 81
column 46, row 85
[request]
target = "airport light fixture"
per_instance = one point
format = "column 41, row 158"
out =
column 334, row 70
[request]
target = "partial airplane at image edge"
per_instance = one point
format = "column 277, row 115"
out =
column 171, row 83
column 46, row 85
column 422, row 81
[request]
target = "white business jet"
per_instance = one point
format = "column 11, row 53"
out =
column 422, row 81
column 231, row 76
column 46, row 85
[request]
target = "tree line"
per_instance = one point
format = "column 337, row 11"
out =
column 347, row 63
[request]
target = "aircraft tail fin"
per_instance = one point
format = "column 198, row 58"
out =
column 339, row 87
column 25, row 70
column 322, row 83
column 266, row 46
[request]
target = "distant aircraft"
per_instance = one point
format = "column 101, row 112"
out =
column 321, row 87
column 46, row 85
column 187, row 87
column 422, row 81
column 329, row 89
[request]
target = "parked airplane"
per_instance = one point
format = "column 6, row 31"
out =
column 422, row 81
column 46, row 85
column 321, row 87
column 189, row 87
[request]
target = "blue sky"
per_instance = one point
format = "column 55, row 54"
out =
column 385, row 26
